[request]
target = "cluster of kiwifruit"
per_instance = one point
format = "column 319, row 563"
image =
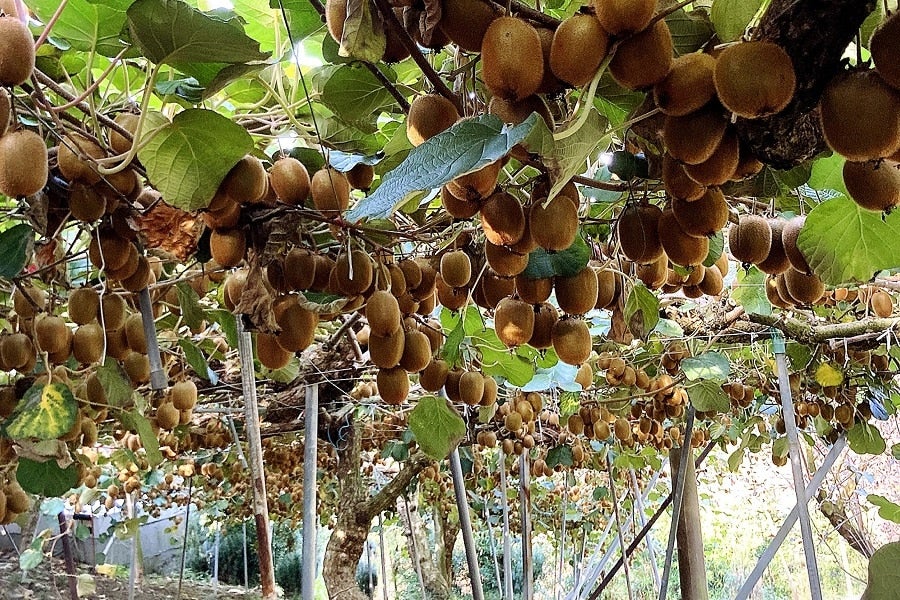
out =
column 859, row 114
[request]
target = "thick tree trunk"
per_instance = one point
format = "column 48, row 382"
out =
column 691, row 561
column 420, row 551
column 446, row 530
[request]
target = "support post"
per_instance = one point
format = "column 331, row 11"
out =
column 383, row 557
column 158, row 380
column 507, row 541
column 68, row 555
column 619, row 533
column 310, row 521
column 676, row 502
column 790, row 425
column 691, row 561
column 642, row 520
column 465, row 524
column 187, row 524
column 257, row 474
column 525, row 513
column 562, row 536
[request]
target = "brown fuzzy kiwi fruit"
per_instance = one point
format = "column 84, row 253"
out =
column 137, row 367
column 84, row 304
column 512, row 58
column 393, row 384
column 50, row 333
column 789, row 239
column 85, row 202
column 290, row 181
column 755, row 79
column 428, row 116
column 118, row 142
column 885, row 48
column 477, row 185
column 748, row 165
column 427, row 283
column 466, row 21
column 492, row 289
column 385, row 351
column 703, row 217
column 572, row 341
column 577, row 294
column 354, row 272
column 712, row 283
column 134, row 333
column 502, row 219
column 434, row 376
column 777, row 261
column 227, row 247
column 644, row 59
column 721, row 166
column 722, row 263
column 750, row 239
column 677, row 183
column 246, row 182
column 450, row 297
column 76, row 156
column 620, row 17
column 23, row 163
column 416, row 351
column 514, row 321
column 28, row 300
column 579, row 46
column 167, row 416
column 335, row 15
column 655, row 273
column 140, row 278
column 503, row 260
column 881, row 304
column 533, row 291
column 8, row 8
column 270, row 354
column 16, row 52
column 109, row 250
column 805, row 289
column 554, row 226
column 456, row 268
column 545, row 317
column 860, row 116
column 694, row 137
column 471, row 387
column 226, row 218
column 5, row 110
column 457, row 208
column 549, row 83
column 637, row 230
column 773, row 294
column 873, row 185
column 527, row 243
column 128, row 268
column 330, row 191
column 383, row 313
column 298, row 325
column 688, row 86
column 432, row 329
column 299, row 269
column 361, row 176
column 87, row 344
column 695, row 276
column 517, row 112
column 606, row 286
column 113, row 311
column 681, row 248
column 17, row 350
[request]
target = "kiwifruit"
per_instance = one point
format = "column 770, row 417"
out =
column 466, row 21
column 572, row 340
column 227, row 247
column 579, row 46
column 50, row 333
column 137, row 367
column 477, row 185
column 247, row 181
column 512, row 59
column 85, row 203
column 492, row 288
column 452, row 298
column 427, row 280
column 167, row 416
column 754, row 78
column 703, row 217
column 489, row 396
column 860, row 116
column 428, row 116
column 117, row 344
column 113, row 311
column 393, row 384
column 681, row 248
column 606, row 286
column 434, row 375
column 457, row 208
column 750, row 239
column 134, row 333
column 694, row 137
column 620, row 17
column 637, row 230
column 108, row 250
column 874, row 185
column 290, row 181
column 354, row 272
column 5, row 110
column 502, row 219
column 503, row 260
column 270, row 354
column 654, row 274
column 691, row 291
column 140, row 278
column 748, row 165
column 555, row 226
column 416, row 351
column 84, row 303
column 517, row 112
column 545, row 317
column 526, row 243
column 129, row 122
column 806, row 289
column 881, row 304
column 885, row 48
column 712, row 283
column 184, row 395
column 577, row 294
column 330, row 191
column 335, row 15
column 298, row 325
column 471, row 387
column 17, row 500
column 17, row 350
column 361, row 176
column 128, row 267
column 386, row 350
column 299, row 269
column 456, row 268
column 16, row 52
column 87, row 345
column 396, row 279
column 695, row 276
column 721, row 166
column 789, row 236
column 28, row 300
column 8, row 8
column 513, row 321
column 777, row 261
column 785, row 300
column 76, row 156
column 549, row 83
column 533, row 291
column 644, row 59
column 23, row 163
column 383, row 313
column 688, row 86
column 226, row 218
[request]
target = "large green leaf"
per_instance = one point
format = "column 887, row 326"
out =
column 845, row 243
column 138, row 422
column 708, row 395
column 641, row 311
column 731, row 17
column 46, row 412
column 713, row 366
column 16, row 244
column 263, row 23
column 828, row 174
column 86, row 25
column 749, row 291
column 437, row 426
column 354, row 94
column 304, row 19
column 543, row 264
column 188, row 159
column 866, row 439
column 884, row 576
column 115, row 383
column 467, row 146
column 189, row 304
column 45, row 478
column 887, row 510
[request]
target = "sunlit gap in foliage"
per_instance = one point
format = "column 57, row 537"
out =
column 214, row 4
column 305, row 58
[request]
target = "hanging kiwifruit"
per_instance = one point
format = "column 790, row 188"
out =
column 545, row 317
column 134, row 333
column 750, row 239
column 17, row 351
column 579, row 46
column 620, row 17
column 335, row 15
column 694, row 137
column 477, row 185
column 298, row 324
column 128, row 268
column 270, row 354
column 555, row 226
column 881, row 304
column 517, row 112
column 885, row 48
column 113, row 311
column 140, row 278
column 644, row 59
column 427, row 281
column 607, row 286
column 129, row 122
column 290, row 181
column 354, row 272
column 806, row 289
column 383, row 313
column 246, row 182
column 428, row 116
column 655, row 273
column 637, row 230
column 514, row 321
column 28, row 300
column 83, row 305
column 777, row 261
column 860, row 116
column 456, row 268
column 549, row 83
column 471, row 387
column 457, row 208
column 577, row 294
column 748, row 165
column 434, row 376
column 502, row 219
column 23, row 163
column 5, row 110
column 137, row 367
column 789, row 237
column 416, row 351
column 16, row 52
column 703, row 217
column 330, row 191
column 386, row 350
column 572, row 340
column 512, row 59
column 503, row 260
column 87, row 345
column 688, row 86
column 755, row 78
column 227, row 247
column 721, row 166
column 874, row 185
column 361, row 176
column 466, row 21
column 681, row 248
column 676, row 181
column 772, row 292
column 492, row 288
column 108, row 250
column 393, row 384
column 77, row 156
column 712, row 283
column 85, row 202
column 533, row 291
column 299, row 269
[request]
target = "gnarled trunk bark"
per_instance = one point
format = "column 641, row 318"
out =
column 436, row 586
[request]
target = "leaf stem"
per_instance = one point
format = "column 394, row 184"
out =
column 135, row 144
column 49, row 26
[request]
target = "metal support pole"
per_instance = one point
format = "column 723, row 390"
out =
column 620, row 534
column 507, row 542
column 642, row 519
column 135, row 554
column 382, row 556
column 246, row 571
column 562, row 535
column 465, row 524
column 525, row 513
column 676, row 503
column 310, row 447
column 810, row 491
column 790, row 425
column 158, row 380
column 187, row 524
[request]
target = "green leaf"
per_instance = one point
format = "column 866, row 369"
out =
column 829, row 375
column 884, row 576
column 16, row 244
column 86, row 25
column 866, row 439
column 189, row 304
column 188, row 158
column 354, row 94
column 716, row 247
column 750, row 291
column 560, row 455
column 261, row 22
column 46, row 412
column 713, row 366
column 828, row 174
column 895, row 451
column 31, row 558
column 730, row 18
column 115, row 383
column 228, row 324
column 641, row 311
column 363, row 33
column 690, row 31
column 844, row 242
column 467, row 146
column 451, row 349
column 194, row 357
column 543, row 264
column 302, row 16
column 886, row 509
column 708, row 395
column 781, row 447
column 569, row 403
column 735, row 459
column 138, row 422
column 45, row 478
column 437, row 426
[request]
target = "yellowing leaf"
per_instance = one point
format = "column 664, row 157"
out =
column 827, row 375
column 46, row 412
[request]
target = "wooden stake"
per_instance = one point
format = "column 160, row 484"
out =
column 71, row 575
column 691, row 561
